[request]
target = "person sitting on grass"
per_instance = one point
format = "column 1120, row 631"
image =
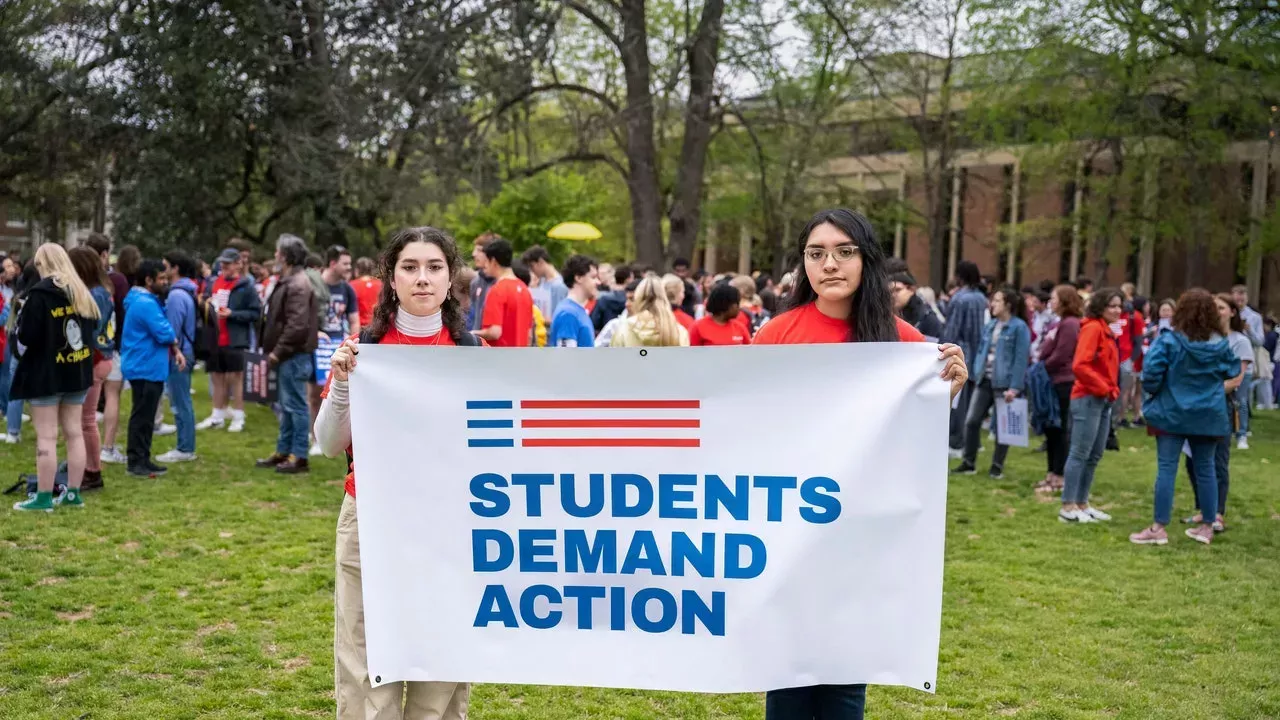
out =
column 415, row 307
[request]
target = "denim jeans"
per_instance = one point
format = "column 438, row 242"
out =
column 1090, row 424
column 13, row 413
column 1221, row 474
column 295, row 430
column 1055, row 438
column 184, row 415
column 958, row 415
column 1242, row 403
column 984, row 399
column 4, row 376
column 1168, row 450
column 817, row 702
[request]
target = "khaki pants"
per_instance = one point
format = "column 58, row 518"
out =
column 356, row 699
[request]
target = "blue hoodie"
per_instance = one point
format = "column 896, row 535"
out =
column 144, row 345
column 180, row 309
column 1183, row 381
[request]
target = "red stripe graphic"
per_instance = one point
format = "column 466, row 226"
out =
column 611, row 442
column 610, row 404
column 610, row 423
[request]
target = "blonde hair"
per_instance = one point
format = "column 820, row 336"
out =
column 673, row 285
column 651, row 299
column 746, row 288
column 53, row 262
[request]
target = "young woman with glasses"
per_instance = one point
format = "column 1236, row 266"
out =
column 841, row 294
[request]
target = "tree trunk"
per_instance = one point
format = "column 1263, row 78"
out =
column 642, row 172
column 1102, row 245
column 937, row 191
column 685, row 210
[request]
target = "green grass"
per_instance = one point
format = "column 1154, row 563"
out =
column 209, row 594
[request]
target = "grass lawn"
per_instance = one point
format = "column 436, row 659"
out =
column 208, row 594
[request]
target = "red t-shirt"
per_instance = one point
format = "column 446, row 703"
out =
column 510, row 305
column 683, row 318
column 393, row 337
column 367, row 289
column 709, row 332
column 222, row 288
column 1130, row 327
column 808, row 325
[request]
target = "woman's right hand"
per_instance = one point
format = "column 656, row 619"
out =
column 343, row 362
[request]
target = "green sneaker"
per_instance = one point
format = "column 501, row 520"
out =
column 41, row 501
column 70, row 498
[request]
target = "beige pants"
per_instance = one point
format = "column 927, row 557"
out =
column 356, row 699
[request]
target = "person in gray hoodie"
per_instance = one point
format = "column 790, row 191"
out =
column 181, row 309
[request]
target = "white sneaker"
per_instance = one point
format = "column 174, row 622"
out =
column 1074, row 516
column 315, row 451
column 12, row 439
column 26, row 418
column 176, row 456
column 237, row 425
column 1242, row 443
column 1096, row 514
column 100, row 417
column 166, row 429
column 112, row 456
column 210, row 422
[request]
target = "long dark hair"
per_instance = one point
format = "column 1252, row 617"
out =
column 1017, row 304
column 1236, row 323
column 872, row 318
column 384, row 313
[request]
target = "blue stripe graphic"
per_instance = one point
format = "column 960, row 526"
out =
column 487, row 442
column 488, row 404
column 491, row 424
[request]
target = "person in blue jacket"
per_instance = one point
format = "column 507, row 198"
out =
column 999, row 369
column 1184, row 375
column 145, row 347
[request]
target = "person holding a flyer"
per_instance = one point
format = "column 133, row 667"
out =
column 415, row 307
column 841, row 295
column 1000, row 368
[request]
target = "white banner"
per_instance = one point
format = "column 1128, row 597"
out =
column 698, row 519
column 1012, row 422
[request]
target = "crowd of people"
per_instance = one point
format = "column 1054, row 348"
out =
column 82, row 324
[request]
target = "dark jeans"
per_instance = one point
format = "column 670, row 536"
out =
column 1168, row 448
column 1221, row 474
column 958, row 415
column 817, row 702
column 295, row 424
column 142, row 420
column 984, row 398
column 1055, row 439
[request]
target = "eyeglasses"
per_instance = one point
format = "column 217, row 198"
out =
column 842, row 254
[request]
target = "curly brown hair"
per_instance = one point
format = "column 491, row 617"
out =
column 384, row 313
column 1070, row 304
column 1236, row 323
column 1196, row 316
column 1099, row 301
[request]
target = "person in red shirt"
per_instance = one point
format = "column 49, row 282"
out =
column 722, row 325
column 841, row 295
column 508, row 309
column 674, row 286
column 1128, row 330
column 415, row 307
column 1097, row 369
column 367, row 289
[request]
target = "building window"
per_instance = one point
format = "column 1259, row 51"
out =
column 15, row 223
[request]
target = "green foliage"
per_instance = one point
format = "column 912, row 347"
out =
column 526, row 209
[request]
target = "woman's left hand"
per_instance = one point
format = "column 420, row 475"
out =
column 1010, row 395
column 956, row 370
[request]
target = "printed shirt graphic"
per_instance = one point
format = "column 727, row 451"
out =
column 342, row 302
column 221, row 298
column 709, row 332
column 510, row 306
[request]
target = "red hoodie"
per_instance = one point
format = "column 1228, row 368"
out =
column 1097, row 362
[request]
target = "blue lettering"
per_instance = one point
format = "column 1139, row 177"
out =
column 533, row 482
column 692, row 609
column 668, row 496
column 733, row 545
column 493, row 502
column 533, row 545
column 640, row 606
column 618, row 491
column 569, row 496
column 703, row 559
column 717, row 495
column 530, row 615
column 643, row 554
column 585, row 595
column 480, row 561
column 495, row 606
column 600, row 557
column 825, row 508
column 617, row 608
column 775, row 484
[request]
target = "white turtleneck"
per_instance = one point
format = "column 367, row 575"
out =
column 333, row 423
